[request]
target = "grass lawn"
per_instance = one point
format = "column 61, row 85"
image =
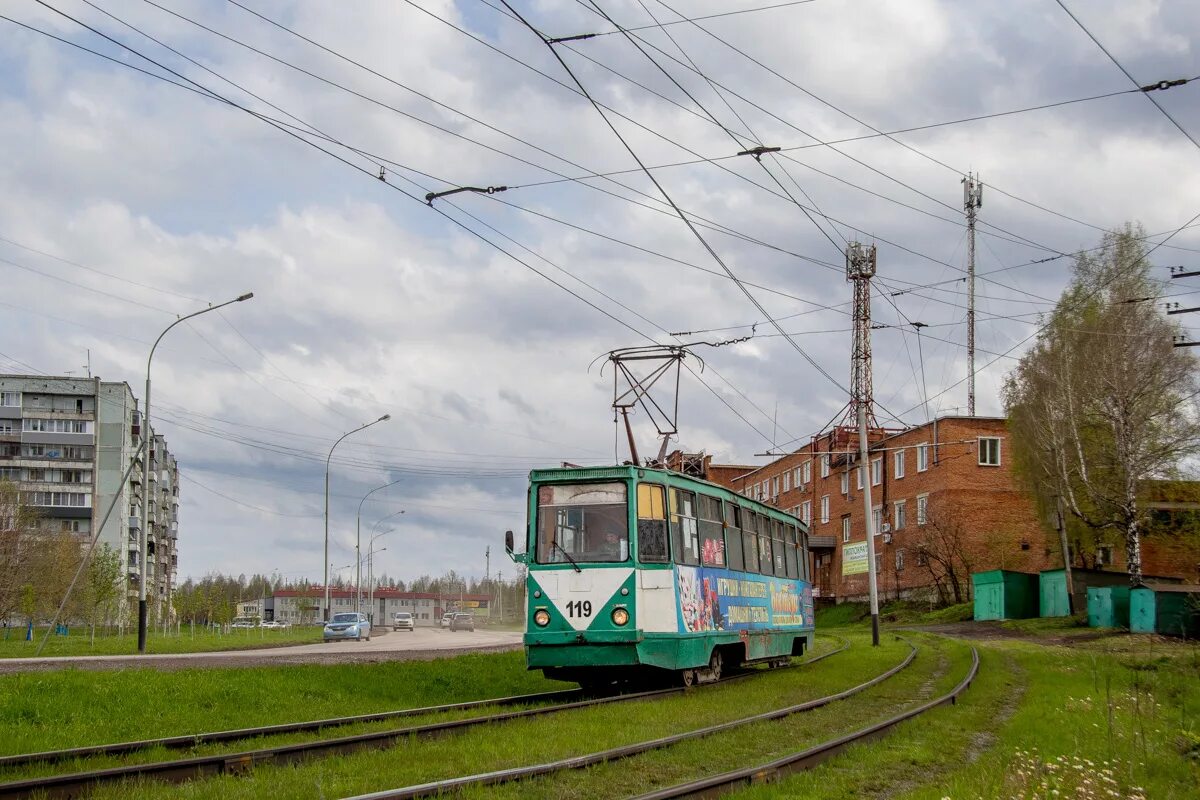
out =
column 521, row 742
column 79, row 642
column 71, row 708
column 1111, row 719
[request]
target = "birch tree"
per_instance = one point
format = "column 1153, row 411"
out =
column 1104, row 402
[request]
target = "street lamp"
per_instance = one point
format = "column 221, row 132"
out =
column 358, row 544
column 370, row 563
column 371, row 579
column 328, row 458
column 145, row 537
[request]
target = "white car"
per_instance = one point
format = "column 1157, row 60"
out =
column 403, row 620
column 449, row 615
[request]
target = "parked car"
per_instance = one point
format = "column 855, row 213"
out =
column 462, row 622
column 402, row 620
column 449, row 615
column 347, row 626
column 245, row 622
column 275, row 624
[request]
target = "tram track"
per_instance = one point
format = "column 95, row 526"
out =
column 717, row 785
column 75, row 784
column 497, row 777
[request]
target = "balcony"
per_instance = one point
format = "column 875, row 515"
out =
column 135, row 523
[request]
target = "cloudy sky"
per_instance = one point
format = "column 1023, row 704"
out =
column 127, row 201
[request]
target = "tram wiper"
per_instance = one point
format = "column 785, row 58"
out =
column 565, row 553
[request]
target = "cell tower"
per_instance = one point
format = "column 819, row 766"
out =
column 972, row 201
column 860, row 268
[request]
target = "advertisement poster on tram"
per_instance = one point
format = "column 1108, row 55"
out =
column 714, row 599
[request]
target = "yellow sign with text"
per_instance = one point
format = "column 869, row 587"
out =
column 854, row 558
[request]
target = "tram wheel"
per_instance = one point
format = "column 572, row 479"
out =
column 714, row 665
column 688, row 677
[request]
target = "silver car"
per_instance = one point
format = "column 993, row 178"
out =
column 402, row 620
column 347, row 626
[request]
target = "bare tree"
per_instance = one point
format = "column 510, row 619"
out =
column 1104, row 401
column 942, row 551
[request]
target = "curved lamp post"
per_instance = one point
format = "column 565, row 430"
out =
column 145, row 537
column 371, row 565
column 328, row 458
column 358, row 544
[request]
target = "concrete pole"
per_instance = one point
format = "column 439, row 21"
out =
column 865, row 466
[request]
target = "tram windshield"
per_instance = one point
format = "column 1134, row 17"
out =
column 582, row 522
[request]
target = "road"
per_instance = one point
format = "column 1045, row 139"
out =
column 421, row 644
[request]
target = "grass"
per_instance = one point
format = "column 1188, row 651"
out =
column 898, row 611
column 71, row 708
column 522, row 742
column 79, row 642
column 1038, row 722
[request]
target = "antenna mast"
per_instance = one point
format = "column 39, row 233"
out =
column 972, row 200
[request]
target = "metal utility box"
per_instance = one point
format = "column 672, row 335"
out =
column 1003, row 594
column 1052, row 588
column 1108, row 606
column 1171, row 610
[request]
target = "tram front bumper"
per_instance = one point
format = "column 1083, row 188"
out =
column 582, row 648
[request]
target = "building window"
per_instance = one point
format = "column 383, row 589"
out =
column 877, row 471
column 10, row 399
column 877, row 519
column 787, row 481
column 1103, row 555
column 922, row 457
column 806, row 472
column 825, row 508
column 825, row 466
column 775, row 486
column 899, row 561
column 922, row 509
column 846, row 528
column 898, row 461
column 858, row 478
column 898, row 514
column 806, row 511
column 845, row 483
column 989, row 451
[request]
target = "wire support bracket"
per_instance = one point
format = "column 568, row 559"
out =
column 576, row 38
column 759, row 151
column 1162, row 86
column 429, row 198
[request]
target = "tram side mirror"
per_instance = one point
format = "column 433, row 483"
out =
column 518, row 558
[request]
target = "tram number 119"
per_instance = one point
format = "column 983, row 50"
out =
column 579, row 608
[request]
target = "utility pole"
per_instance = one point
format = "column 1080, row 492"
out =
column 487, row 569
column 972, row 200
column 860, row 268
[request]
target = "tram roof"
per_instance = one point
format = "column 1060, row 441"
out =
column 629, row 471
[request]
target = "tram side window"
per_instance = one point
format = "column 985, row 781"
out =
column 684, row 533
column 792, row 568
column 805, row 566
column 652, row 524
column 733, row 536
column 765, row 565
column 712, row 538
column 778, row 547
column 750, row 541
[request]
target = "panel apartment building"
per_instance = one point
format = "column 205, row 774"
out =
column 66, row 443
column 942, row 490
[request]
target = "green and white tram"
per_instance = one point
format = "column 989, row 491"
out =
column 635, row 573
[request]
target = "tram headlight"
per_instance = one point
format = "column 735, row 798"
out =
column 541, row 617
column 620, row 616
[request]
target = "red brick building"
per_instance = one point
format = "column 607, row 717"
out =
column 945, row 504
